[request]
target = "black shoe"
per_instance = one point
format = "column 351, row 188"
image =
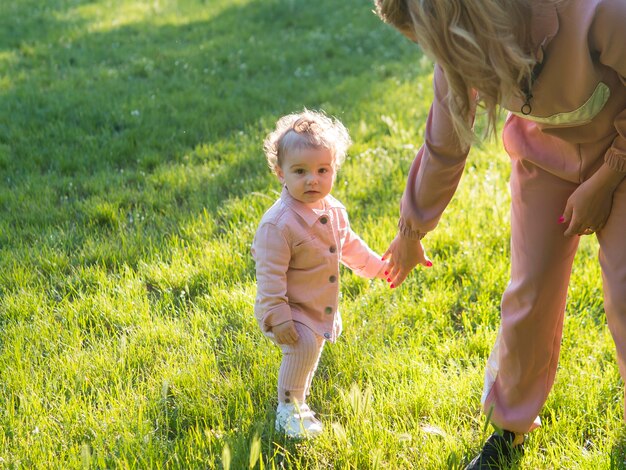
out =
column 497, row 453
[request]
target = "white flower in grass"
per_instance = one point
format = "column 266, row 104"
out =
column 135, row 112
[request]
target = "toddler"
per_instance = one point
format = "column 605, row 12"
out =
column 298, row 246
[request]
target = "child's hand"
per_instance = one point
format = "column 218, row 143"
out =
column 285, row 333
column 384, row 271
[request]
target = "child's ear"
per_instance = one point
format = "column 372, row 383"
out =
column 279, row 173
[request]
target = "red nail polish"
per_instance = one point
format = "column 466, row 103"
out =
column 429, row 264
column 386, row 272
column 392, row 286
column 388, row 279
column 561, row 219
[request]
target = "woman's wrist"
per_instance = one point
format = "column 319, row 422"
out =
column 406, row 232
column 608, row 178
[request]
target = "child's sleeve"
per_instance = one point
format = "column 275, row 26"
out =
column 360, row 258
column 272, row 253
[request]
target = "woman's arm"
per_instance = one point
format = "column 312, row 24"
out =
column 432, row 181
column 436, row 170
column 589, row 206
column 607, row 37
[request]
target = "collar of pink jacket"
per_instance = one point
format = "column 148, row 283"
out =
column 304, row 211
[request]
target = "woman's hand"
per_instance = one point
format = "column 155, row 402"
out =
column 589, row 206
column 285, row 333
column 402, row 256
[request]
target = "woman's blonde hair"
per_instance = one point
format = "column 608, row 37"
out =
column 304, row 130
column 481, row 45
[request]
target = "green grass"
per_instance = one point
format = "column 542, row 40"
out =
column 132, row 182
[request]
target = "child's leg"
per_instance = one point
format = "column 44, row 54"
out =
column 298, row 365
column 522, row 365
column 612, row 240
column 307, row 390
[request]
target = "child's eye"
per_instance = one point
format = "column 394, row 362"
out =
column 323, row 170
column 299, row 171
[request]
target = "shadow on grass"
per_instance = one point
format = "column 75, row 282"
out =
column 90, row 117
column 144, row 94
column 112, row 138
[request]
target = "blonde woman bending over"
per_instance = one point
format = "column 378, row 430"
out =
column 559, row 69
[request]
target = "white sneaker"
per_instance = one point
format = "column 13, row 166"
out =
column 297, row 421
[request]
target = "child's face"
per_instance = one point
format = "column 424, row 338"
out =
column 309, row 174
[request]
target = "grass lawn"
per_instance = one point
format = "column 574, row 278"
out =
column 132, row 181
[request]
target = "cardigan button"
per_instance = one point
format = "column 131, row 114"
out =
column 332, row 278
column 328, row 310
column 327, row 335
column 324, row 220
column 332, row 249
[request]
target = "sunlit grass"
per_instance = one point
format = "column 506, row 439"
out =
column 132, row 183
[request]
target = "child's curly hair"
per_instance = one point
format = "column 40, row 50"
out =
column 307, row 129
